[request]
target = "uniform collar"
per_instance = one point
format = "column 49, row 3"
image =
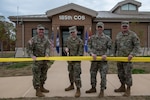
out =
column 125, row 33
column 73, row 38
column 100, row 35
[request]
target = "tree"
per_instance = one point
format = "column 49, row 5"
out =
column 7, row 33
column 2, row 31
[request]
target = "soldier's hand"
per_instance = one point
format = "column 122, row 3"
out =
column 94, row 56
column 46, row 55
column 104, row 57
column 130, row 57
column 66, row 50
column 34, row 57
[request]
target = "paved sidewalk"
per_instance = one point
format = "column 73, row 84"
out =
column 14, row 87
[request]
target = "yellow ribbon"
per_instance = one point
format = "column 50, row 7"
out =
column 77, row 58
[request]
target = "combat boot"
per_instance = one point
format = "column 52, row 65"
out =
column 71, row 87
column 92, row 90
column 43, row 89
column 77, row 94
column 127, row 93
column 121, row 88
column 101, row 94
column 39, row 93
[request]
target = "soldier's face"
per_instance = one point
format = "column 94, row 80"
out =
column 73, row 34
column 40, row 32
column 100, row 29
column 125, row 28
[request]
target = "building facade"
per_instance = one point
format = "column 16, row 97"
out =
column 58, row 20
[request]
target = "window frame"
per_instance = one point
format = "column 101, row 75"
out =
column 129, row 7
column 106, row 33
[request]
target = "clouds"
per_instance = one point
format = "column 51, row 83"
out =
column 98, row 5
column 145, row 5
column 31, row 7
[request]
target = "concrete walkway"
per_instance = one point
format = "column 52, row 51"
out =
column 14, row 87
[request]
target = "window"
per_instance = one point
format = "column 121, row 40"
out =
column 128, row 7
column 132, row 7
column 34, row 32
column 108, row 32
column 124, row 7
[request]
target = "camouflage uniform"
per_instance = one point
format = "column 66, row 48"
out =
column 75, row 46
column 126, row 44
column 99, row 45
column 39, row 47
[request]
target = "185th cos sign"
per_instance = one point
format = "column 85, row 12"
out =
column 69, row 17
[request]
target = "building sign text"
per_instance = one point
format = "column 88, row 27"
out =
column 69, row 17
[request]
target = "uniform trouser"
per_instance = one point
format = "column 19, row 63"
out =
column 74, row 68
column 102, row 67
column 125, row 72
column 39, row 71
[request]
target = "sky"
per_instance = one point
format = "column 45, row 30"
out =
column 32, row 7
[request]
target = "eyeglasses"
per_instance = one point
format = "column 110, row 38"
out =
column 124, row 26
column 72, row 32
column 99, row 26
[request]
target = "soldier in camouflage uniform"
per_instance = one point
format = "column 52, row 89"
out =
column 99, row 44
column 127, row 44
column 74, row 47
column 39, row 46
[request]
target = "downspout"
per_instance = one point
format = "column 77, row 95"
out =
column 148, row 34
column 148, row 39
column 23, row 41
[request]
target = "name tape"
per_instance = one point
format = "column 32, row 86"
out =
column 77, row 58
